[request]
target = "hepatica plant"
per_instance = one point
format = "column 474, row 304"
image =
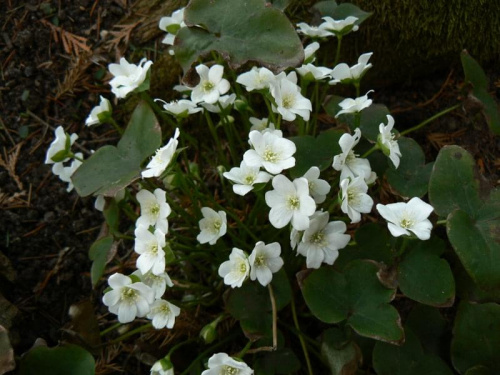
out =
column 286, row 243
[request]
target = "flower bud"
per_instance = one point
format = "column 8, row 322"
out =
column 208, row 333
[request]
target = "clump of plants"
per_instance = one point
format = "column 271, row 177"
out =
column 300, row 228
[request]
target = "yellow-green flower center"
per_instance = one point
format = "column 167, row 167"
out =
column 155, row 209
column 228, row 370
column 216, row 225
column 207, row 86
column 128, row 294
column 260, row 260
column 243, row 267
column 288, row 101
column 293, row 202
column 249, row 179
column 406, row 223
column 270, row 156
column 318, row 238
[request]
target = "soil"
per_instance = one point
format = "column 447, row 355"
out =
column 45, row 232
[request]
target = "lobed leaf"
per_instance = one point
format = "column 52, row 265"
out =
column 356, row 295
column 98, row 253
column 241, row 31
column 111, row 168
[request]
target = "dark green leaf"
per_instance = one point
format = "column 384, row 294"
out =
column 281, row 361
column 476, row 341
column 110, row 168
column 247, row 31
column 341, row 354
column 424, row 277
column 280, row 4
column 476, row 76
column 61, row 360
column 357, row 296
column 169, row 254
column 251, row 304
column 411, row 178
column 454, row 182
column 98, row 253
column 408, row 359
column 372, row 242
column 317, row 152
column 112, row 216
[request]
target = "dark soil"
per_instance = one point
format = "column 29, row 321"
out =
column 46, row 232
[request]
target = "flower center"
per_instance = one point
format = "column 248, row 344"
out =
column 293, row 202
column 155, row 209
column 260, row 260
column 311, row 185
column 153, row 249
column 406, row 223
column 243, row 267
column 228, row 370
column 350, row 156
column 288, row 101
column 216, row 225
column 128, row 295
column 249, row 179
column 270, row 156
column 318, row 238
column 207, row 86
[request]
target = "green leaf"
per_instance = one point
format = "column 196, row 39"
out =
column 424, row 277
column 473, row 214
column 247, row 31
column 476, row 76
column 251, row 304
column 111, row 168
column 431, row 329
column 476, row 341
column 169, row 254
column 60, row 156
column 372, row 242
column 112, row 216
column 454, row 182
column 411, row 178
column 408, row 359
column 281, row 361
column 317, row 152
column 340, row 353
column 357, row 296
column 342, row 11
column 280, row 4
column 98, row 253
column 61, row 360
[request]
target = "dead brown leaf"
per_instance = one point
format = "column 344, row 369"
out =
column 9, row 163
column 73, row 44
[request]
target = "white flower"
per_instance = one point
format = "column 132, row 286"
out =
column 59, row 144
column 404, row 218
column 347, row 162
column 162, row 367
column 290, row 201
column 339, row 26
column 65, row 173
column 272, row 152
column 387, row 143
column 318, row 188
column 180, row 108
column 235, row 270
column 213, row 226
column 256, row 79
column 158, row 282
column 128, row 77
column 309, row 51
column 172, row 25
column 322, row 240
column 289, row 100
column 163, row 314
column 149, row 246
column 264, row 261
column 314, row 73
column 342, row 72
column 295, row 237
column 102, row 109
column 349, row 105
column 313, row 31
column 127, row 299
column 224, row 101
column 211, row 85
column 260, row 124
column 154, row 209
column 245, row 177
column 162, row 158
column 222, row 364
column 354, row 198
column 100, row 202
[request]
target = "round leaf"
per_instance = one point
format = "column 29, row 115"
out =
column 476, row 341
column 98, row 253
column 342, row 355
column 424, row 277
column 241, row 30
column 356, row 295
column 61, row 360
column 411, row 178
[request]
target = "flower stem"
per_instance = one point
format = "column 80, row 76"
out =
column 441, row 222
column 275, row 316
column 430, row 119
column 131, row 333
column 115, row 125
column 374, row 148
column 302, row 341
column 145, row 96
column 211, row 127
column 245, row 349
column 109, row 329
column 337, row 55
column 175, row 347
